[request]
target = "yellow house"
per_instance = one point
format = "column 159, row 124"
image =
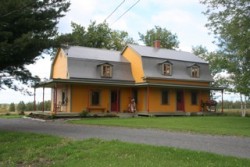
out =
column 159, row 80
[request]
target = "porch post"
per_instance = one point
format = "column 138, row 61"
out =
column 222, row 101
column 55, row 98
column 34, row 99
column 43, row 98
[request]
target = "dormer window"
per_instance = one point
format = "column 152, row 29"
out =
column 106, row 70
column 166, row 68
column 195, row 71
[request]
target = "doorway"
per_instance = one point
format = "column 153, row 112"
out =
column 115, row 100
column 180, row 100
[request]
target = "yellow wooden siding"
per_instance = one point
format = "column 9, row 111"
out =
column 136, row 64
column 125, row 97
column 155, row 103
column 81, row 99
column 189, row 107
column 59, row 68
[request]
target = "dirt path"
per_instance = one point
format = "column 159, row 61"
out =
column 225, row 145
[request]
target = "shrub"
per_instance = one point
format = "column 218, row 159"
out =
column 84, row 113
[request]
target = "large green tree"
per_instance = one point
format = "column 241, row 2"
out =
column 27, row 29
column 96, row 36
column 229, row 20
column 168, row 39
column 230, row 23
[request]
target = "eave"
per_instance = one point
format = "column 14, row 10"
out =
column 178, row 86
column 103, row 82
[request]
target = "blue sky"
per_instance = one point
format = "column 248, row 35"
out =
column 182, row 17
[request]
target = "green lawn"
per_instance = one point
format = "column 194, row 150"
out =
column 26, row 149
column 11, row 116
column 221, row 125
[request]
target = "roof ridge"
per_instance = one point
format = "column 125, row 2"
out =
column 161, row 48
column 92, row 48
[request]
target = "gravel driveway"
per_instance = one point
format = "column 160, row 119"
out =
column 225, row 145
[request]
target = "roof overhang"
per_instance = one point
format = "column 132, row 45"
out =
column 53, row 82
column 179, row 86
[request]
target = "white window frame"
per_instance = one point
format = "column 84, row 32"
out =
column 106, row 71
column 195, row 71
column 166, row 69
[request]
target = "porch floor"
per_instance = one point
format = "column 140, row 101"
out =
column 49, row 114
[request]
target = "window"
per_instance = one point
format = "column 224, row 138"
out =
column 164, row 96
column 95, row 98
column 195, row 71
column 106, row 71
column 194, row 98
column 64, row 101
column 166, row 69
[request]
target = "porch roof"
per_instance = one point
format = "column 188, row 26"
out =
column 106, row 82
column 51, row 83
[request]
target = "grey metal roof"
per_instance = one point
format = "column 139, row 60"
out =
column 146, row 51
column 94, row 53
column 180, row 70
column 90, row 69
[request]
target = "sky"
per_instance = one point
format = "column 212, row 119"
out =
column 181, row 17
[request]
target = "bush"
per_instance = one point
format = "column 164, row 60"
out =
column 84, row 113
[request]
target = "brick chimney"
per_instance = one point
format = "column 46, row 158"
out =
column 157, row 44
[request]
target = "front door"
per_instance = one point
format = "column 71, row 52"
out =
column 115, row 100
column 180, row 100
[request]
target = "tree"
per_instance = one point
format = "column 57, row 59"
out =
column 95, row 36
column 168, row 40
column 21, row 107
column 27, row 29
column 230, row 22
column 12, row 107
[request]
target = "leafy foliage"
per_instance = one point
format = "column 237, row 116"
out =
column 230, row 22
column 27, row 28
column 21, row 106
column 96, row 36
column 168, row 40
column 12, row 107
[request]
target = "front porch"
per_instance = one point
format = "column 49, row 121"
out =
column 66, row 115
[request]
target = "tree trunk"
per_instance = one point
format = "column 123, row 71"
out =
column 245, row 107
column 242, row 106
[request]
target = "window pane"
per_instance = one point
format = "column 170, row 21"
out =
column 193, row 98
column 164, row 97
column 95, row 96
column 106, row 71
column 63, row 97
column 195, row 72
column 166, row 69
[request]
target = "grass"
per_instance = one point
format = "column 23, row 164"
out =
column 10, row 116
column 216, row 125
column 26, row 149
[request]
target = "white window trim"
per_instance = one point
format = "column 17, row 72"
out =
column 164, row 71
column 105, row 74
column 195, row 71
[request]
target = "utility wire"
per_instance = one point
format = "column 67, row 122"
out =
column 114, row 10
column 125, row 12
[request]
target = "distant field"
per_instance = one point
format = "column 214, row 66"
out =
column 235, row 111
